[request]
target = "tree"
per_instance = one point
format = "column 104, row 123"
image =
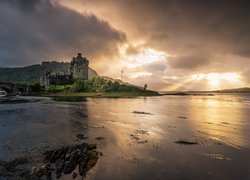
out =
column 116, row 87
column 79, row 85
column 145, row 87
column 37, row 87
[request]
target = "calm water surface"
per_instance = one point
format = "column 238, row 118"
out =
column 138, row 145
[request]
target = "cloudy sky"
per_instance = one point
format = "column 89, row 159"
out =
column 168, row 44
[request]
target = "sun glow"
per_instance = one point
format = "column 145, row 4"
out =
column 137, row 62
column 142, row 57
column 141, row 74
column 215, row 80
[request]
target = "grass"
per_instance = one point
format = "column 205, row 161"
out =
column 58, row 88
column 81, row 96
column 94, row 88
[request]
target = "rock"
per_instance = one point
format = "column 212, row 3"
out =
column 59, row 169
column 48, row 154
column 34, row 170
column 217, row 156
column 91, row 163
column 49, row 176
column 81, row 136
column 74, row 175
column 71, row 164
column 60, row 153
column 40, row 171
column 99, row 138
column 83, row 147
column 58, row 175
column 94, row 155
column 82, row 167
column 82, row 157
column 182, row 117
column 185, row 142
column 66, row 159
column 15, row 168
column 67, row 156
column 93, row 160
column 11, row 165
column 46, row 169
column 81, row 114
column 37, row 171
column 141, row 131
column 46, row 166
column 138, row 140
column 17, row 161
column 59, row 166
column 91, row 146
column 141, row 112
column 97, row 126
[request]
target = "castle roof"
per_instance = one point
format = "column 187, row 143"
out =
column 80, row 59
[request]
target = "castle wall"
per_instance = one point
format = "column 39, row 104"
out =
column 55, row 79
column 80, row 71
column 79, row 68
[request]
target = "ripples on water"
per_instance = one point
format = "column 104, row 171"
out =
column 137, row 136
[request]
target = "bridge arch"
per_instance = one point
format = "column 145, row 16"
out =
column 8, row 90
column 13, row 88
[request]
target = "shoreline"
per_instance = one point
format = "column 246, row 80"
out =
column 80, row 96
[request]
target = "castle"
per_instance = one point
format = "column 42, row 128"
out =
column 78, row 70
column 79, row 67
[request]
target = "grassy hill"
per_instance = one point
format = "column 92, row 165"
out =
column 32, row 74
column 95, row 87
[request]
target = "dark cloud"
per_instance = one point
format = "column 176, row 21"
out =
column 34, row 30
column 246, row 76
column 199, row 36
column 154, row 82
column 157, row 67
column 131, row 50
column 23, row 4
column 219, row 27
column 181, row 27
column 191, row 62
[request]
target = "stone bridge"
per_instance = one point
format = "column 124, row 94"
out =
column 14, row 89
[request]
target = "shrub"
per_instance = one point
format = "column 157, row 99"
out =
column 79, row 85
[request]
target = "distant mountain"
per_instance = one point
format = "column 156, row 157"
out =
column 236, row 90
column 32, row 74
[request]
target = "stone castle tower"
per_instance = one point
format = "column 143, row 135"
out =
column 79, row 67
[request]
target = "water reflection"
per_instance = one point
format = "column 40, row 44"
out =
column 32, row 127
column 221, row 120
column 137, row 136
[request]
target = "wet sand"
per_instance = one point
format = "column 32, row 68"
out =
column 168, row 137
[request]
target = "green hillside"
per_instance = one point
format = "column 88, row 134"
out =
column 32, row 74
column 95, row 87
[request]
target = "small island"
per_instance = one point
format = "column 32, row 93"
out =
column 77, row 84
column 97, row 87
column 72, row 81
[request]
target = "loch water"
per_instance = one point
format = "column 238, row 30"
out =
column 165, row 137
